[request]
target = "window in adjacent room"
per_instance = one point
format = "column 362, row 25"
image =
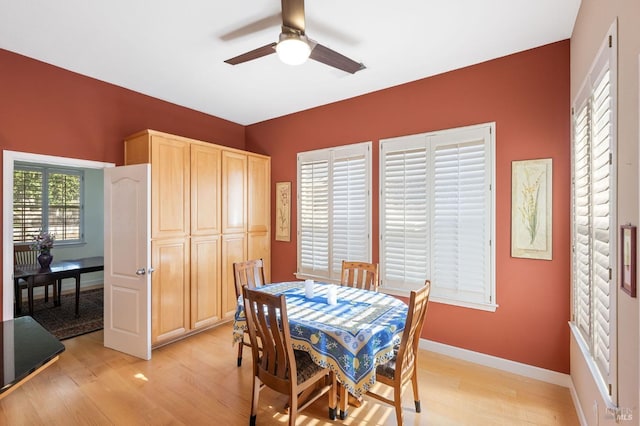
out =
column 46, row 198
column 334, row 209
column 436, row 215
column 593, row 217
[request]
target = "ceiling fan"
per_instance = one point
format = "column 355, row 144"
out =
column 294, row 47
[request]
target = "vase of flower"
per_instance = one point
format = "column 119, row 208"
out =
column 44, row 259
column 43, row 242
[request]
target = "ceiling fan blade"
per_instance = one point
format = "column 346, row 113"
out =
column 274, row 20
column 334, row 59
column 253, row 54
column 293, row 15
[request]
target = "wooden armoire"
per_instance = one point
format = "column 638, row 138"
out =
column 210, row 207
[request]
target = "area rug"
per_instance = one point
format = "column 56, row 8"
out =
column 61, row 320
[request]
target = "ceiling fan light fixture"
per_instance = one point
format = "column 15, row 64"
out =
column 293, row 49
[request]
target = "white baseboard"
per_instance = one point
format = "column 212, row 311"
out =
column 576, row 404
column 38, row 292
column 86, row 283
column 514, row 367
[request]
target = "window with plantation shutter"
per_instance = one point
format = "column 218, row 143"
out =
column 594, row 224
column 582, row 221
column 404, row 212
column 334, row 209
column 47, row 199
column 461, row 219
column 436, row 215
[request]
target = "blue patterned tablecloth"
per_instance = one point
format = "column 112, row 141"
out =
column 351, row 337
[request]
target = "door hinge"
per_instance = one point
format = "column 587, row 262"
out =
column 610, row 158
column 610, row 274
column 609, row 389
column 610, row 41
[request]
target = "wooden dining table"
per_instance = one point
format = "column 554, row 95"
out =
column 56, row 272
column 352, row 337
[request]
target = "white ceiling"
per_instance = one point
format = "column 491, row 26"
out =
column 174, row 50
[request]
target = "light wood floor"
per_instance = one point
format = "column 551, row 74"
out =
column 196, row 382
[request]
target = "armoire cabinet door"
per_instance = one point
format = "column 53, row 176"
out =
column 234, row 249
column 259, row 247
column 234, row 192
column 205, row 190
column 170, row 187
column 205, row 281
column 259, row 193
column 169, row 289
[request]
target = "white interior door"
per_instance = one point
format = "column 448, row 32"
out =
column 127, row 259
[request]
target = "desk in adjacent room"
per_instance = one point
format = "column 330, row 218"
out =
column 26, row 349
column 57, row 272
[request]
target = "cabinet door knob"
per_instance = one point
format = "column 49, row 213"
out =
column 140, row 271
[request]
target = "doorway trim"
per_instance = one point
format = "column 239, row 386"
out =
column 9, row 159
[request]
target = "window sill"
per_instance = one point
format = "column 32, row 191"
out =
column 591, row 364
column 69, row 244
column 320, row 279
column 471, row 305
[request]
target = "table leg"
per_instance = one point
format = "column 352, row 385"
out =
column 57, row 291
column 18, row 295
column 30, row 294
column 77, row 295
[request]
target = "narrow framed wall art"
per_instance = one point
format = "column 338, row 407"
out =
column 531, row 208
column 283, row 211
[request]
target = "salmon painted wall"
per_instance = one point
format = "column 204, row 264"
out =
column 48, row 110
column 527, row 95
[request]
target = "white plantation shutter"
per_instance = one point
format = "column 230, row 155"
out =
column 436, row 214
column 593, row 207
column 404, row 218
column 602, row 218
column 334, row 209
column 313, row 212
column 350, row 192
column 582, row 220
column 461, row 221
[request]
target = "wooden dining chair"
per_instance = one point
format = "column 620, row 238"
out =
column 360, row 275
column 278, row 366
column 249, row 273
column 403, row 367
column 23, row 254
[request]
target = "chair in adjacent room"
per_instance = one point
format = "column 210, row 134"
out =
column 360, row 275
column 249, row 273
column 278, row 366
column 397, row 372
column 23, row 254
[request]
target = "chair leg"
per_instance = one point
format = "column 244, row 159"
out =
column 333, row 396
column 397, row 401
column 255, row 395
column 344, row 401
column 240, row 345
column 416, row 396
column 293, row 409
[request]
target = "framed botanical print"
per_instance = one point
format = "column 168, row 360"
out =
column 531, row 226
column 283, row 211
